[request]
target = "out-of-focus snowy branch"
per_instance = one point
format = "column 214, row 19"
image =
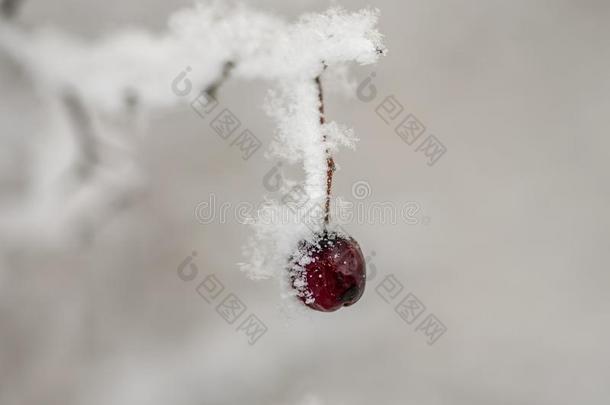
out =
column 260, row 45
column 8, row 8
column 104, row 78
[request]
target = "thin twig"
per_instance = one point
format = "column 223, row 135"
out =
column 330, row 162
column 212, row 89
column 9, row 8
column 85, row 135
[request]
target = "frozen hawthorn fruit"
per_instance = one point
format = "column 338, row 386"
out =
column 331, row 273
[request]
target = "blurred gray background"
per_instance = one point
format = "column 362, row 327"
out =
column 514, row 259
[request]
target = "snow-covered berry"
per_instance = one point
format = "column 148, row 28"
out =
column 330, row 272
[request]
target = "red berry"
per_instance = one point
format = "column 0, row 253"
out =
column 329, row 272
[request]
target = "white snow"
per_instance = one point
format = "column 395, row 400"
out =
column 205, row 38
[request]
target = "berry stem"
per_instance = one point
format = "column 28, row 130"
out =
column 330, row 162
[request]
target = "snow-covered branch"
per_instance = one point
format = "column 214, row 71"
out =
column 206, row 37
column 208, row 44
